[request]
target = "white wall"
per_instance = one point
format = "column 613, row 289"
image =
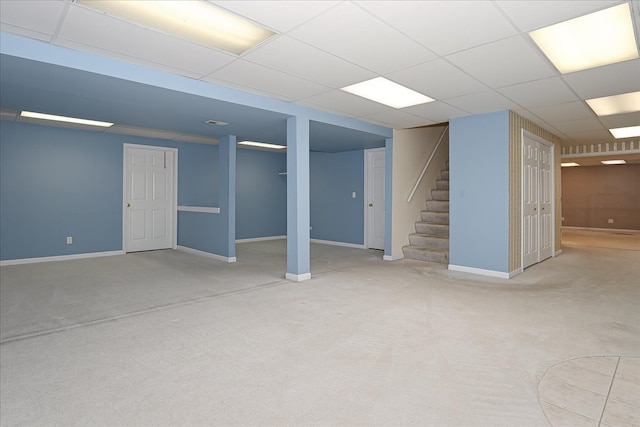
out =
column 411, row 150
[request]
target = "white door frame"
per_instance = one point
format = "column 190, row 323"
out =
column 367, row 171
column 174, row 198
column 525, row 133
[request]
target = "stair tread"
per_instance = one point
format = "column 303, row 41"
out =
column 429, row 235
column 422, row 248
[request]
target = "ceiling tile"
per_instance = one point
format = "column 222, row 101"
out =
column 580, row 125
column 345, row 103
column 300, row 59
column 593, row 136
column 126, row 58
column 539, row 93
column 19, row 31
column 41, row 17
column 248, row 74
column 563, row 112
column 399, row 119
column 280, row 16
column 614, row 79
column 482, row 102
column 437, row 79
column 479, row 22
column 621, row 120
column 531, row 15
column 503, row 63
column 437, row 111
column 354, row 35
column 130, row 40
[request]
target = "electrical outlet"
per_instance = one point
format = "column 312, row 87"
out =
column 69, row 240
column 610, row 220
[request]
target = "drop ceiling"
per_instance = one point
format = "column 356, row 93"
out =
column 473, row 57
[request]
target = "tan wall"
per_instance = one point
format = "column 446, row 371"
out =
column 592, row 195
column 516, row 124
column 411, row 150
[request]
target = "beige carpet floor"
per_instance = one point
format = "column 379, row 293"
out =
column 172, row 339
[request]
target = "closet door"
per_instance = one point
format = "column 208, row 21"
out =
column 545, row 193
column 537, row 201
column 530, row 202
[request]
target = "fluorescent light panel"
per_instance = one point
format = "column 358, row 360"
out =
column 616, row 104
column 194, row 20
column 262, row 145
column 65, row 119
column 569, row 164
column 593, row 40
column 627, row 132
column 613, row 162
column 387, row 92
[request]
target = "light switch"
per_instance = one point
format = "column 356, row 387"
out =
column 353, row 195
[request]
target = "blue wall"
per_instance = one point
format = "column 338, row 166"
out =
column 479, row 191
column 197, row 173
column 261, row 194
column 57, row 182
column 335, row 216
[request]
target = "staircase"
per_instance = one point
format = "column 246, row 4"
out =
column 430, row 242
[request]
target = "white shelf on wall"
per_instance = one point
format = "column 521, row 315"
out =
column 202, row 209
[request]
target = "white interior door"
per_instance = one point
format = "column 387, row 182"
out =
column 537, row 201
column 545, row 193
column 375, row 200
column 149, row 198
column 530, row 180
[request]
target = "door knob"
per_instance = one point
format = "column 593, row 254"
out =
column 370, row 205
column 535, row 209
column 128, row 205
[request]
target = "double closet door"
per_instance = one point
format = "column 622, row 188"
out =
column 537, row 200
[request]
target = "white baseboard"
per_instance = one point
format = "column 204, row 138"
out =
column 207, row 254
column 298, row 277
column 392, row 258
column 334, row 243
column 59, row 258
column 515, row 272
column 260, row 239
column 483, row 272
column 613, row 230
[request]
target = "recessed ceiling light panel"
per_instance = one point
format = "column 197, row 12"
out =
column 262, row 145
column 627, row 132
column 195, row 20
column 387, row 92
column 592, row 40
column 613, row 162
column 569, row 164
column 617, row 104
column 42, row 116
